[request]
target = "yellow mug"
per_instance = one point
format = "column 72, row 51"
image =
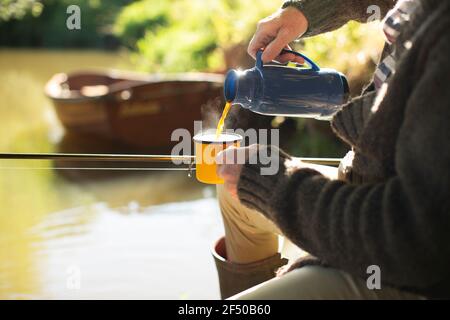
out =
column 207, row 146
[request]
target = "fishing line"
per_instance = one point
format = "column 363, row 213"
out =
column 99, row 168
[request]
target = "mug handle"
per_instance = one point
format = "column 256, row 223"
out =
column 260, row 64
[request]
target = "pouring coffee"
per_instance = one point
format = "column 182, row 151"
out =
column 281, row 90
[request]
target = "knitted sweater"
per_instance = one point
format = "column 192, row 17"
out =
column 328, row 15
column 396, row 215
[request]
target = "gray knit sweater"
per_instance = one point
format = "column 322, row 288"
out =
column 397, row 213
column 328, row 15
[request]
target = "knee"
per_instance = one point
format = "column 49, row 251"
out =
column 310, row 282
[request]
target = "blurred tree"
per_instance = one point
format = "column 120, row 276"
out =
column 139, row 17
column 17, row 9
column 187, row 35
column 42, row 23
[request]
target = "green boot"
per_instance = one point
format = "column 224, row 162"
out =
column 235, row 278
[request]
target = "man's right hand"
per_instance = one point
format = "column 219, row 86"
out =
column 276, row 32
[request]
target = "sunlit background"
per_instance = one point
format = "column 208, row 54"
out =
column 137, row 235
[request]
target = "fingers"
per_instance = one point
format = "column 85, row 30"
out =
column 230, row 163
column 222, row 156
column 289, row 57
column 255, row 44
column 275, row 32
column 263, row 36
column 284, row 57
column 238, row 156
column 230, row 173
column 252, row 151
column 274, row 48
column 231, row 155
column 231, row 159
column 281, row 58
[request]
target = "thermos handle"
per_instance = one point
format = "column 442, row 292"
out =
column 260, row 64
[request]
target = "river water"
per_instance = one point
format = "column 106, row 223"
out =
column 132, row 236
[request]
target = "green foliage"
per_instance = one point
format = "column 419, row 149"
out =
column 43, row 23
column 172, row 35
column 17, row 9
column 139, row 17
column 187, row 35
column 158, row 53
column 348, row 49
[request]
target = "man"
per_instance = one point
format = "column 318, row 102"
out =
column 388, row 207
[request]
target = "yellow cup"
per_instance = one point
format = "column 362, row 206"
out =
column 207, row 146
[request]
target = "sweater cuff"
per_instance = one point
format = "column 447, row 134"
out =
column 349, row 122
column 318, row 13
column 328, row 15
column 263, row 192
column 255, row 190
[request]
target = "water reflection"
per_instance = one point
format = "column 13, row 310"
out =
column 122, row 232
column 154, row 253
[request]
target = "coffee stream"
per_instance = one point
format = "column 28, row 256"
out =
column 221, row 123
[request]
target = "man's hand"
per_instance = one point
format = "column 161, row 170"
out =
column 275, row 33
column 229, row 165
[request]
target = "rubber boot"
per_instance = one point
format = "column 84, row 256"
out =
column 235, row 278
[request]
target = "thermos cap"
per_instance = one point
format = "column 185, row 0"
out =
column 230, row 86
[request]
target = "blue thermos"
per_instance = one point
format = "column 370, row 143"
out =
column 280, row 90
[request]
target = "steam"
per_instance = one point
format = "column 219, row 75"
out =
column 236, row 118
column 211, row 112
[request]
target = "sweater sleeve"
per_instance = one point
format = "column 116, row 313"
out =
column 401, row 225
column 350, row 120
column 328, row 15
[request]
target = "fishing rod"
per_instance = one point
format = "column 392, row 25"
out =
column 95, row 157
column 138, row 158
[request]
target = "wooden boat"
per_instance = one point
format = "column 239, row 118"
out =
column 133, row 109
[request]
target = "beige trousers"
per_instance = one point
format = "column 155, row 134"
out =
column 251, row 237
